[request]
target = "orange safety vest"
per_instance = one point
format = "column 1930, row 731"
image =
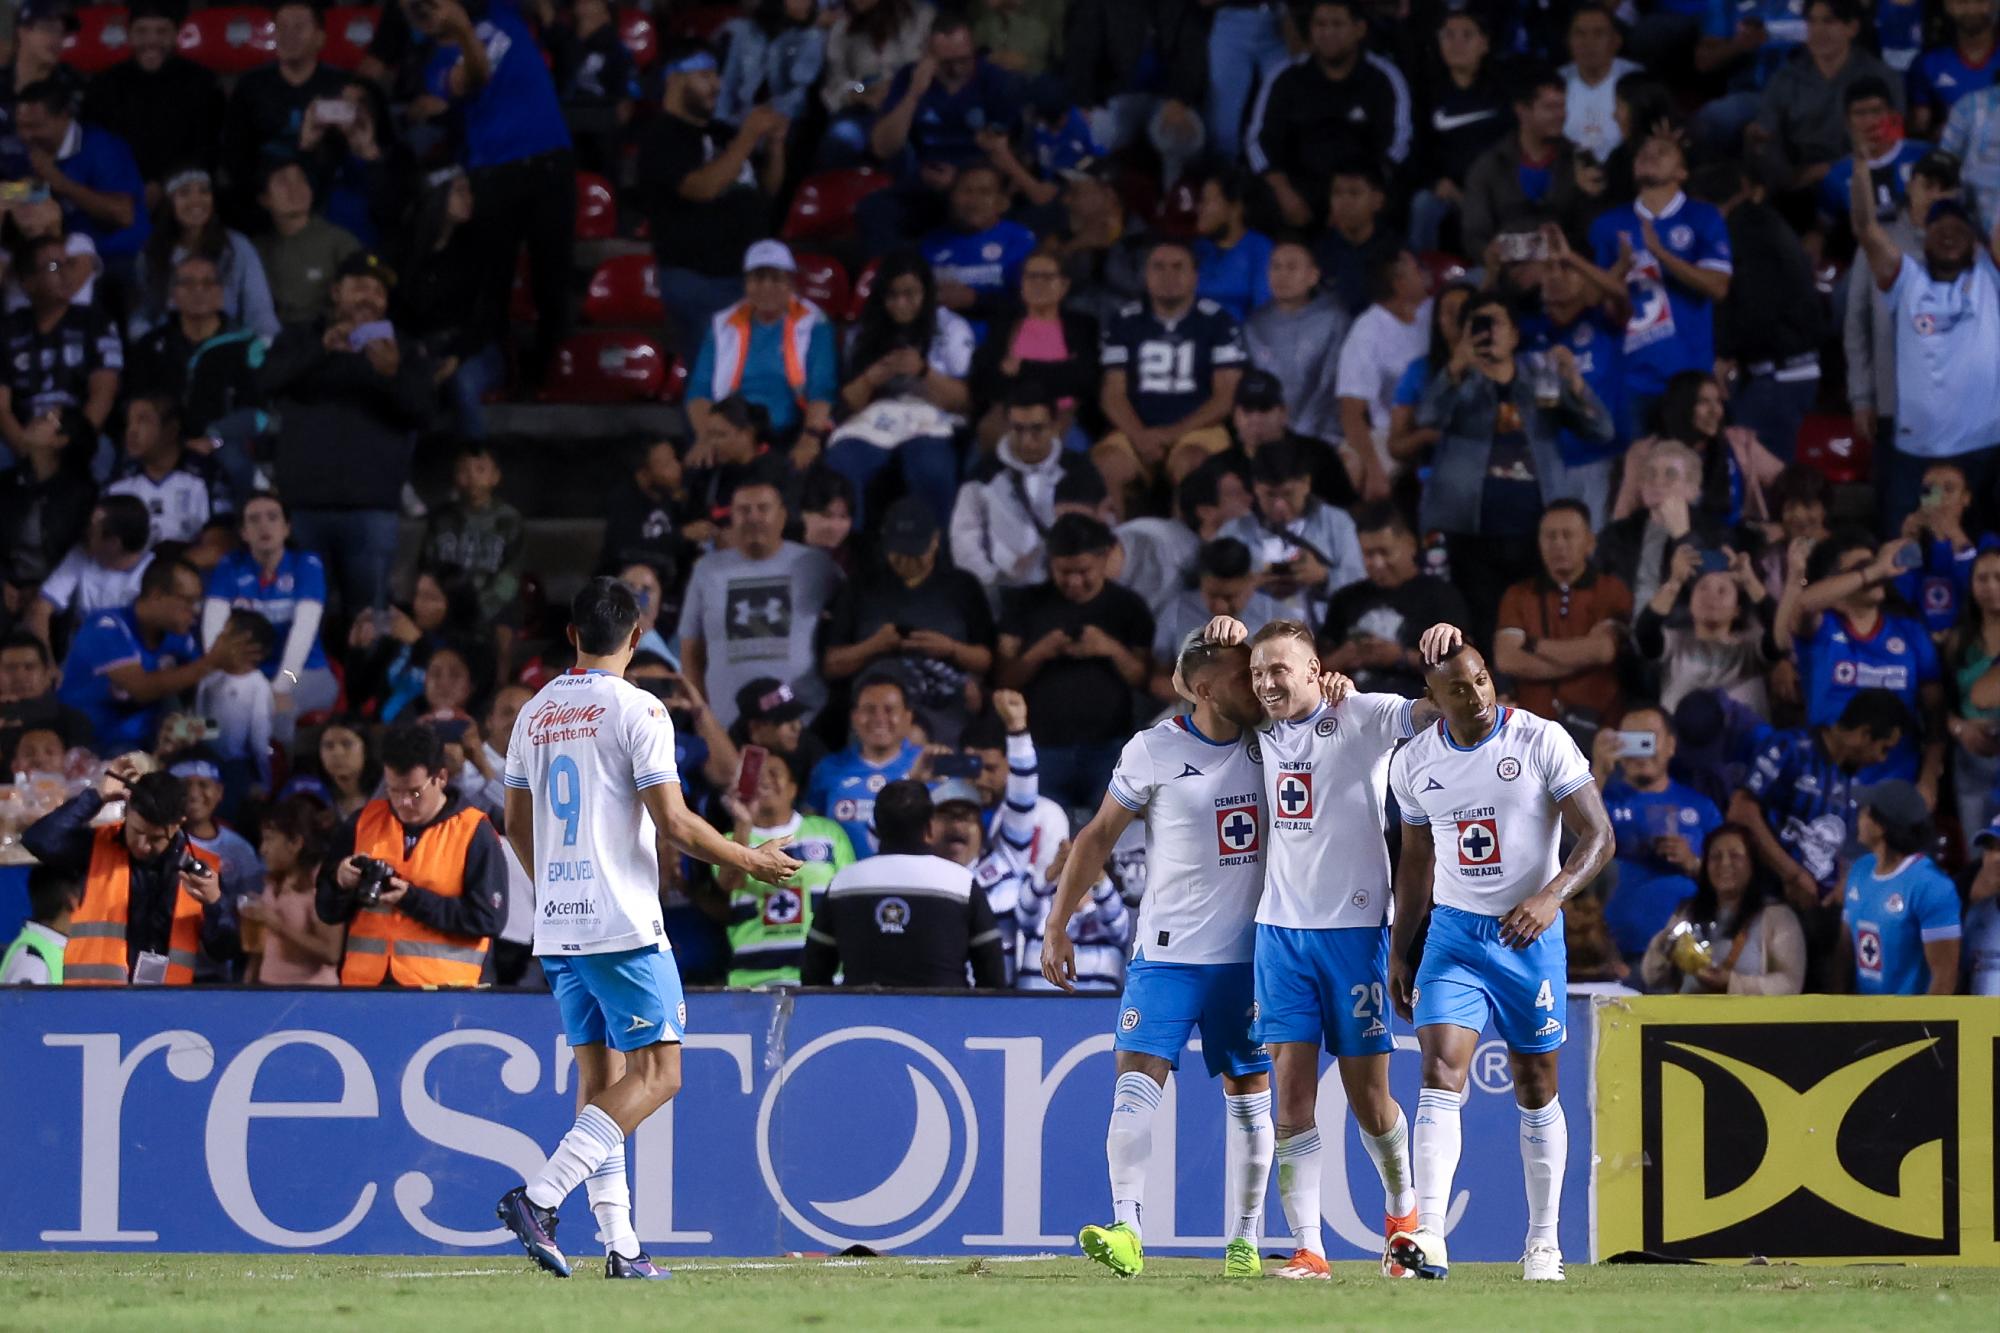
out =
column 95, row 955
column 731, row 330
column 381, row 941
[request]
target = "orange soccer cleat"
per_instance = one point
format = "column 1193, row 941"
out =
column 1393, row 1227
column 1305, row 1266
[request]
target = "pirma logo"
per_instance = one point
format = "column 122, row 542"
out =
column 846, row 1198
column 1806, row 1140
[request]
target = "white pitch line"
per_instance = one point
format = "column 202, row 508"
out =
column 454, row 1272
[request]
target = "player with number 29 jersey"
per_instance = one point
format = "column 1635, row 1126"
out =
column 584, row 746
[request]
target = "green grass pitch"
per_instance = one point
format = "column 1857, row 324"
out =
column 496, row 1294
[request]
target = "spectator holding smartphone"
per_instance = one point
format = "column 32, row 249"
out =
column 1726, row 644
column 1659, row 825
column 1849, row 637
column 930, row 619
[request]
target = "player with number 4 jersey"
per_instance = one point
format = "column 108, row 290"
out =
column 590, row 777
column 1195, row 782
column 1495, row 787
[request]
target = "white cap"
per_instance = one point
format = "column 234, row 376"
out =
column 769, row 254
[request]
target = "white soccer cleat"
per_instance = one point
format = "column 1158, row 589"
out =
column 1542, row 1263
column 1421, row 1252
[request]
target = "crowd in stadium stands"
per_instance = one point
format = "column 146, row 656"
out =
column 1656, row 343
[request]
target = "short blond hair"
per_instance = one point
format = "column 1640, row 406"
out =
column 1285, row 629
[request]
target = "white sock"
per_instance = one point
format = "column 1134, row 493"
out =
column 1248, row 1155
column 1391, row 1154
column 1128, row 1146
column 1434, row 1144
column 594, row 1137
column 1544, row 1152
column 1298, row 1188
column 611, row 1201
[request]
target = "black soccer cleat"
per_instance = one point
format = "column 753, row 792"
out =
column 534, row 1227
column 640, row 1265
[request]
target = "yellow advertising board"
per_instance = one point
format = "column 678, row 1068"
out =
column 1811, row 1129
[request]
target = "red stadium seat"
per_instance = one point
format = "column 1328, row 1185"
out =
column 1442, row 267
column 596, row 208
column 625, row 290
column 1828, row 445
column 233, row 39
column 641, row 38
column 825, row 203
column 1174, row 215
column 823, row 281
column 863, row 284
column 100, row 40
column 702, row 21
column 349, row 29
column 608, row 366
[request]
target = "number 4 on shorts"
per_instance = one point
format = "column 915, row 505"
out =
column 1545, row 998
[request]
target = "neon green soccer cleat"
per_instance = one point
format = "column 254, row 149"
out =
column 1240, row 1260
column 1116, row 1247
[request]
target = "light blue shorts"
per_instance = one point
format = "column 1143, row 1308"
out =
column 623, row 1000
column 1468, row 974
column 1165, row 1002
column 1329, row 986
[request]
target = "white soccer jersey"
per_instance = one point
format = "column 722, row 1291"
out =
column 1326, row 777
column 1491, row 809
column 584, row 747
column 1204, row 842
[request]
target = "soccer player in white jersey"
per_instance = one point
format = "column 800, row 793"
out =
column 1322, row 967
column 1196, row 784
column 1496, row 786
column 590, row 774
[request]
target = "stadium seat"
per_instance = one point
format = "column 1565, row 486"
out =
column 596, row 208
column 1828, row 445
column 641, row 38
column 233, row 39
column 825, row 203
column 864, row 283
column 823, row 281
column 1442, row 267
column 1174, row 215
column 625, row 290
column 100, row 40
column 349, row 29
column 608, row 366
column 701, row 21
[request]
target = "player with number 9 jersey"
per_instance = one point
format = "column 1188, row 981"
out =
column 585, row 745
column 591, row 786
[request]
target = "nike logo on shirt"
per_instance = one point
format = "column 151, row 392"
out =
column 1444, row 124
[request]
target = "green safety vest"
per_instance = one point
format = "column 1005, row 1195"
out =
column 38, row 941
column 767, row 923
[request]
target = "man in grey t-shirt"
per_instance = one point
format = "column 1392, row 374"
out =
column 1297, row 337
column 751, row 611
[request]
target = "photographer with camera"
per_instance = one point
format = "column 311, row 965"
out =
column 151, row 901
column 418, row 877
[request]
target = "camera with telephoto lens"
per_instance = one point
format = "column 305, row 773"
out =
column 375, row 877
